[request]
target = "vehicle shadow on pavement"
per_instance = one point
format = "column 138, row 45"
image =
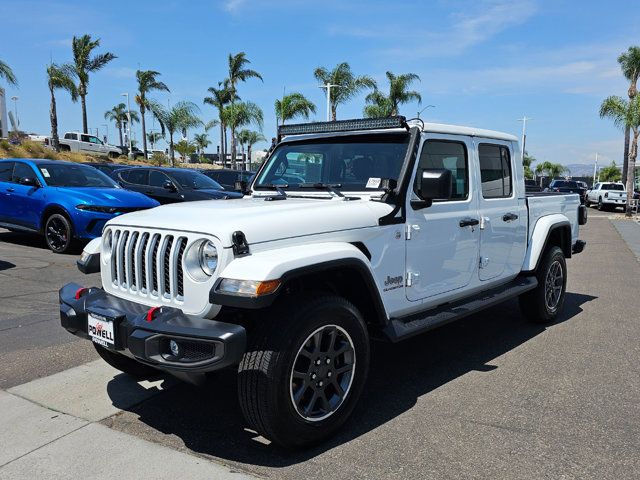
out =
column 208, row 420
column 4, row 265
column 35, row 241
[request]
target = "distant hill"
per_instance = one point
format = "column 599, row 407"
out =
column 580, row 169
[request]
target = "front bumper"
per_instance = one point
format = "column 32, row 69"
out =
column 206, row 345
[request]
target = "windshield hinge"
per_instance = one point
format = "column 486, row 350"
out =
column 409, row 229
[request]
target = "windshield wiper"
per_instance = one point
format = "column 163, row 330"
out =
column 330, row 187
column 282, row 195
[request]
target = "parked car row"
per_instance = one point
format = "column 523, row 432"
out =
column 67, row 202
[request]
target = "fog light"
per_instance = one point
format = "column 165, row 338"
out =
column 174, row 346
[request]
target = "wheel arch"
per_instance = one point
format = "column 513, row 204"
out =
column 50, row 210
column 551, row 230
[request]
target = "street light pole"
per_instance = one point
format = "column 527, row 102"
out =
column 524, row 134
column 328, row 86
column 15, row 110
column 432, row 106
column 595, row 170
column 106, row 126
column 129, row 124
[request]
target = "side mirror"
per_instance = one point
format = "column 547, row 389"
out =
column 434, row 184
column 240, row 186
column 30, row 182
column 169, row 186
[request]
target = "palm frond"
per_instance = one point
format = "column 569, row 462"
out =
column 7, row 74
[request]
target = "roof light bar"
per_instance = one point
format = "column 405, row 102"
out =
column 343, row 126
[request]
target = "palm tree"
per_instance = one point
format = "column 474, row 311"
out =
column 185, row 148
column 7, row 74
column 118, row 115
column 238, row 72
column 610, row 173
column 249, row 138
column 201, row 141
column 388, row 105
column 220, row 98
column 625, row 113
column 551, row 170
column 84, row 64
column 182, row 116
column 349, row 85
column 146, row 82
column 59, row 76
column 153, row 138
column 527, row 160
column 292, row 106
column 238, row 115
column 630, row 65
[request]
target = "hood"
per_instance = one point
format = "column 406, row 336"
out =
column 109, row 197
column 260, row 220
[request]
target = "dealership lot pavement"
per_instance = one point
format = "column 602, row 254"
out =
column 488, row 397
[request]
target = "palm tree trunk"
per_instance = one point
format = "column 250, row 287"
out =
column 233, row 148
column 221, row 143
column 625, row 161
column 53, row 115
column 249, row 156
column 171, row 152
column 633, row 153
column 226, row 144
column 334, row 111
column 120, row 132
column 144, row 132
column 83, row 101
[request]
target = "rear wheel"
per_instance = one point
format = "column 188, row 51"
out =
column 125, row 364
column 543, row 303
column 600, row 204
column 58, row 233
column 298, row 388
column 587, row 203
column 112, row 155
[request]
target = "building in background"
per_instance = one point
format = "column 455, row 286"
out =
column 4, row 124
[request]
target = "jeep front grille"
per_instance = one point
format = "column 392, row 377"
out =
column 148, row 263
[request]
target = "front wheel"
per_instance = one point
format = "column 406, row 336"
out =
column 58, row 233
column 543, row 303
column 304, row 370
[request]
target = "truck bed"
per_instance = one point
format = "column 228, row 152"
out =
column 541, row 204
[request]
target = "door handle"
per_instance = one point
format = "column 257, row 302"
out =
column 469, row 222
column 509, row 217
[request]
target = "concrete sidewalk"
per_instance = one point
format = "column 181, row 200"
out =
column 48, row 431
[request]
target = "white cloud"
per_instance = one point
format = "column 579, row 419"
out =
column 121, row 72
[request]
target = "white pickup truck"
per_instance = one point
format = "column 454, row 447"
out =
column 391, row 228
column 82, row 142
column 607, row 195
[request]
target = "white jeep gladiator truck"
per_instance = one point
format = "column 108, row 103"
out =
column 82, row 142
column 350, row 230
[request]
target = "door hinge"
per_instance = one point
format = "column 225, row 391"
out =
column 409, row 229
column 410, row 278
column 484, row 262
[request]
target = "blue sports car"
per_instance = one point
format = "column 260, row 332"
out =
column 63, row 201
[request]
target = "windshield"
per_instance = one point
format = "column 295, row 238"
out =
column 66, row 175
column 344, row 162
column 565, row 184
column 195, row 180
column 612, row 186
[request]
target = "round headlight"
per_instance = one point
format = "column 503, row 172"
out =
column 208, row 257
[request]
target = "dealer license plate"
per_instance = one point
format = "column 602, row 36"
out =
column 101, row 330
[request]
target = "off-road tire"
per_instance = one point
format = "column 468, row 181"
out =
column 265, row 374
column 587, row 202
column 125, row 364
column 112, row 155
column 534, row 304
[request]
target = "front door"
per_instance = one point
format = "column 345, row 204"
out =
column 6, row 189
column 503, row 216
column 27, row 200
column 157, row 190
column 442, row 251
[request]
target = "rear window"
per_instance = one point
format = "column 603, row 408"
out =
column 5, row 171
column 612, row 186
column 564, row 184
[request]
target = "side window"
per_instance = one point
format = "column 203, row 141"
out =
column 5, row 171
column 495, row 171
column 22, row 170
column 85, row 138
column 138, row 176
column 71, row 136
column 443, row 154
column 157, row 179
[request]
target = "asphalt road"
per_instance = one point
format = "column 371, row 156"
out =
column 491, row 396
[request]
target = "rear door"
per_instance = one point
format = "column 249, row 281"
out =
column 442, row 248
column 502, row 213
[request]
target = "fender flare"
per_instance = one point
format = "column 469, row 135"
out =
column 542, row 231
column 289, row 263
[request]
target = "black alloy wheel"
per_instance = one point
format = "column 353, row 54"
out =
column 58, row 233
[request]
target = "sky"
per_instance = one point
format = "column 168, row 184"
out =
column 483, row 63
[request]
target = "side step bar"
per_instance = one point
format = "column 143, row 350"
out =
column 404, row 327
